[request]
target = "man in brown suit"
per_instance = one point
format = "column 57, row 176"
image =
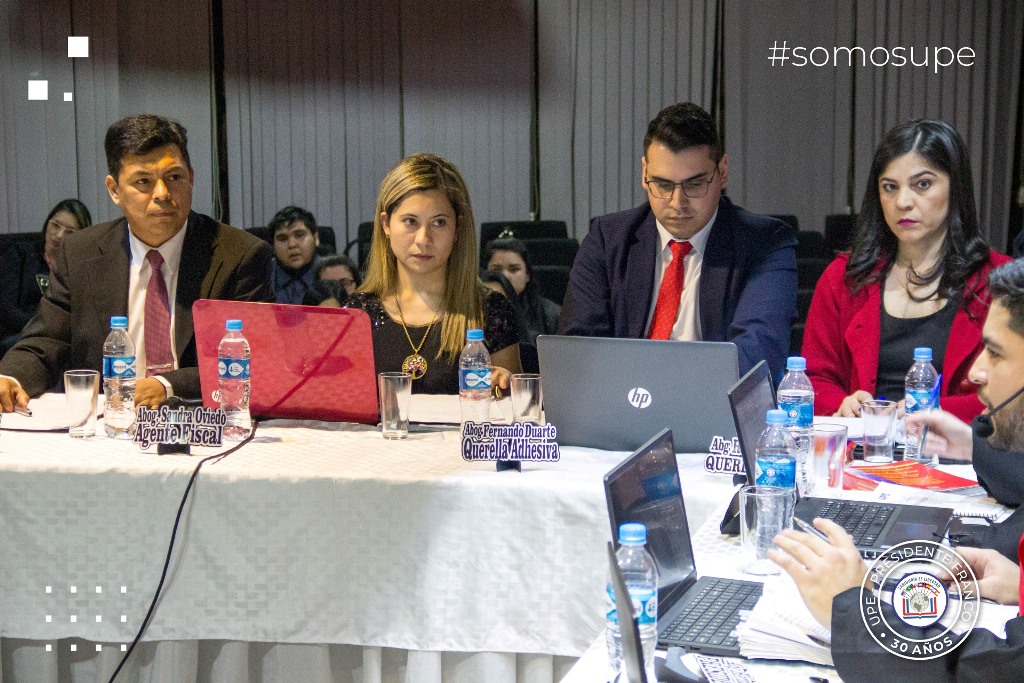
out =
column 105, row 270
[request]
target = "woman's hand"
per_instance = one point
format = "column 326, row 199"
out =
column 850, row 407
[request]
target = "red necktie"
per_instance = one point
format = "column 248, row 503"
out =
column 671, row 292
column 157, row 329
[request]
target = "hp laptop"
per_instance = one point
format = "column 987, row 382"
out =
column 699, row 614
column 614, row 393
column 874, row 526
column 308, row 362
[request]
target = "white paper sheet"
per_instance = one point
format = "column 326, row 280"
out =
column 49, row 414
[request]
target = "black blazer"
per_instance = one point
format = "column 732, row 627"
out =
column 89, row 284
column 747, row 286
column 19, row 291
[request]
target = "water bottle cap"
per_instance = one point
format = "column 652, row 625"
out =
column 118, row 322
column 233, row 326
column 796, row 363
column 923, row 353
column 632, row 533
column 474, row 335
column 776, row 417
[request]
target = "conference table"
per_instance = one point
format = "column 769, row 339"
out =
column 316, row 552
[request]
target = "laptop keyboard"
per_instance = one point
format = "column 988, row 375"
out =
column 863, row 521
column 710, row 619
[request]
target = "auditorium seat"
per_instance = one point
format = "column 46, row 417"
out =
column 839, row 229
column 552, row 251
column 553, row 281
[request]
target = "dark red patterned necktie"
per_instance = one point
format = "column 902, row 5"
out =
column 667, row 308
column 157, row 330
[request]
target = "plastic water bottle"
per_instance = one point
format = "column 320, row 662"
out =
column 641, row 575
column 233, row 381
column 920, row 385
column 796, row 397
column 774, row 457
column 475, row 379
column 118, row 380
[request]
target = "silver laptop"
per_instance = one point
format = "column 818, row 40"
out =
column 614, row 393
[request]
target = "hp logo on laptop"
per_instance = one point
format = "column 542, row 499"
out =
column 639, row 397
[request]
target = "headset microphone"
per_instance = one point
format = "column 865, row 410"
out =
column 983, row 427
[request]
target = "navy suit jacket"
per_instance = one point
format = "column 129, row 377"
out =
column 747, row 285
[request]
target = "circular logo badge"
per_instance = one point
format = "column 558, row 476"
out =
column 639, row 397
column 930, row 618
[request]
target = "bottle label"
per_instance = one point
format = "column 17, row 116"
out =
column 775, row 471
column 645, row 606
column 474, row 378
column 798, row 414
column 233, row 368
column 918, row 399
column 119, row 367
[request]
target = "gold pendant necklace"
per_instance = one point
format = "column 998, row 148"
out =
column 414, row 363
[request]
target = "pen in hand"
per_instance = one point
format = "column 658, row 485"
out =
column 811, row 529
column 23, row 411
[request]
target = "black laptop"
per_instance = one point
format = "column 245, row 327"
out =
column 874, row 526
column 699, row 614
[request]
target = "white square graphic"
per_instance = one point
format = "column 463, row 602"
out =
column 68, row 97
column 99, row 648
column 49, row 618
column 74, row 589
column 124, row 648
column 49, row 647
column 74, row 618
column 38, row 90
column 124, row 618
column 49, row 589
column 78, row 46
column 99, row 589
column 74, row 648
column 124, row 589
column 99, row 618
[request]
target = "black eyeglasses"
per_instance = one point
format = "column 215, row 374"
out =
column 694, row 189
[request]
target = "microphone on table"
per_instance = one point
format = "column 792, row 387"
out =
column 983, row 427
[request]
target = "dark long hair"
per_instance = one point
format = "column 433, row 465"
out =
column 529, row 300
column 964, row 250
column 75, row 208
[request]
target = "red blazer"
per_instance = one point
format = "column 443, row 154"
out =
column 843, row 334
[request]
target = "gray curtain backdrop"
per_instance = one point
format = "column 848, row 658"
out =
column 139, row 61
column 324, row 98
column 541, row 103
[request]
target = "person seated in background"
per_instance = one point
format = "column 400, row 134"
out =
column 151, row 264
column 829, row 575
column 915, row 276
column 26, row 269
column 421, row 289
column 687, row 264
column 511, row 258
column 294, row 233
column 341, row 269
column 324, row 293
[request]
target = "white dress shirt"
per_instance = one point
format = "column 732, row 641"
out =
column 687, row 325
column 139, row 273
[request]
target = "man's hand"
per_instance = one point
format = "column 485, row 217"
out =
column 947, row 434
column 11, row 395
column 820, row 570
column 850, row 407
column 998, row 577
column 500, row 378
column 149, row 392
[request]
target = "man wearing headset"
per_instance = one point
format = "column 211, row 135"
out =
column 829, row 574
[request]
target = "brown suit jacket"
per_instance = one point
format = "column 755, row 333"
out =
column 89, row 284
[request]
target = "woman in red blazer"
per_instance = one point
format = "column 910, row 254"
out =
column 915, row 276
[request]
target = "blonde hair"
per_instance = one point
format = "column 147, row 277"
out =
column 463, row 292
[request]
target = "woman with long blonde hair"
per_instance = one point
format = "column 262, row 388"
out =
column 421, row 289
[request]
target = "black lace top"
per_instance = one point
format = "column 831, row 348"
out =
column 390, row 346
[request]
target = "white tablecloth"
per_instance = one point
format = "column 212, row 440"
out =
column 372, row 558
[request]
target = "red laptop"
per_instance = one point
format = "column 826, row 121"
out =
column 308, row 362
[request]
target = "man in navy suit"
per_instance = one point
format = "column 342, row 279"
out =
column 730, row 276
